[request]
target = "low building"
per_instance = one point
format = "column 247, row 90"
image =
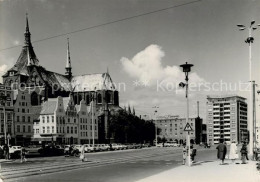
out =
column 172, row 128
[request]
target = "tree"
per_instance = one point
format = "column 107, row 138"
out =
column 128, row 128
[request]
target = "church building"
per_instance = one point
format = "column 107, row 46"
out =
column 33, row 86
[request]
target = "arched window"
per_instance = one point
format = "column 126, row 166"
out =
column 34, row 99
column 116, row 100
column 99, row 98
column 75, row 99
column 108, row 97
column 80, row 98
column 87, row 99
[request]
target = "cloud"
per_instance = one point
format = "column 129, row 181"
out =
column 16, row 42
column 146, row 66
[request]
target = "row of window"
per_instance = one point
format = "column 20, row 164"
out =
column 23, row 119
column 23, row 128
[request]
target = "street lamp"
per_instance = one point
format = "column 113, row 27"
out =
column 3, row 99
column 186, row 69
column 92, row 116
column 249, row 41
column 155, row 111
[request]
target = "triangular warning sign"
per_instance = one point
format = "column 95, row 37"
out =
column 188, row 127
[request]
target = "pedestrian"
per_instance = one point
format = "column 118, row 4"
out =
column 222, row 150
column 184, row 154
column 193, row 152
column 82, row 154
column 6, row 152
column 243, row 152
column 23, row 152
column 233, row 152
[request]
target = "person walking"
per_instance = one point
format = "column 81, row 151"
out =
column 6, row 152
column 233, row 152
column 222, row 151
column 82, row 154
column 193, row 153
column 243, row 152
column 23, row 152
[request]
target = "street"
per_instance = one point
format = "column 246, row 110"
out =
column 128, row 165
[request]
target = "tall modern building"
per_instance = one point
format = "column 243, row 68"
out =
column 226, row 119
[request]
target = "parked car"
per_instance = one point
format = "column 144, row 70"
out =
column 145, row 145
column 104, row 147
column 115, row 146
column 159, row 145
column 15, row 152
column 89, row 148
column 51, row 151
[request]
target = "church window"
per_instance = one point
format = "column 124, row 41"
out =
column 108, row 97
column 34, row 99
column 87, row 99
column 99, row 99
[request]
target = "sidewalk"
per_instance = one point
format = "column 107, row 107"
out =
column 209, row 171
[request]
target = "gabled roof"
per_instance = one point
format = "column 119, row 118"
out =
column 49, row 106
column 91, row 82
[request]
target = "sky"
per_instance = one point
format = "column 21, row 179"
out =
column 142, row 53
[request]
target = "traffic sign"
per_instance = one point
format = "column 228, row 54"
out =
column 188, row 127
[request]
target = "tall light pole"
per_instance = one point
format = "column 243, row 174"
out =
column 249, row 41
column 3, row 99
column 92, row 116
column 186, row 69
column 155, row 122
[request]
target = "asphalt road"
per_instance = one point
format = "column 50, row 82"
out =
column 116, row 166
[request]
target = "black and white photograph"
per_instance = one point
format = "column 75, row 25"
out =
column 129, row 90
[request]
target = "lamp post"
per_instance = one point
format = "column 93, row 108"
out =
column 249, row 41
column 186, row 69
column 155, row 111
column 92, row 116
column 3, row 99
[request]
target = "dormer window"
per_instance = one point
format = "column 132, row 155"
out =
column 11, row 73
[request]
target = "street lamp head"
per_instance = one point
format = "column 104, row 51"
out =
column 186, row 67
column 242, row 28
column 240, row 25
column 252, row 22
column 254, row 28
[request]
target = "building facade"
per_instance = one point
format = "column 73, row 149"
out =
column 226, row 119
column 32, row 85
column 6, row 114
column 172, row 128
column 63, row 122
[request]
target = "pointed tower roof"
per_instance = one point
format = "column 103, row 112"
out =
column 27, row 56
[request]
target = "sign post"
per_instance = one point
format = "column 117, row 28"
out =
column 8, row 138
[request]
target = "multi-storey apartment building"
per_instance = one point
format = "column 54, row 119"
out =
column 172, row 128
column 226, row 119
column 6, row 114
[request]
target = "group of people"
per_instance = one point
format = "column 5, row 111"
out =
column 233, row 152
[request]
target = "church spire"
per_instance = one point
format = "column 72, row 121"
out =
column 27, row 34
column 28, row 57
column 68, row 67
